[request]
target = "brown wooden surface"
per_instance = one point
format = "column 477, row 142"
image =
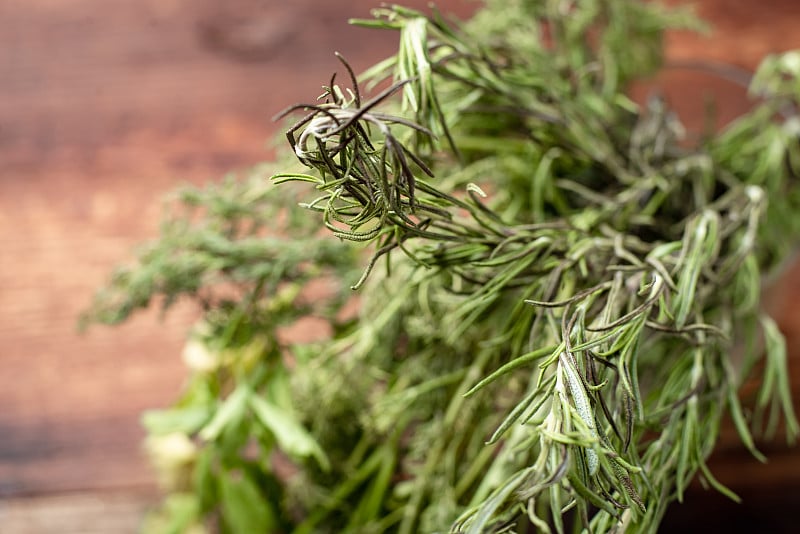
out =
column 82, row 513
column 104, row 107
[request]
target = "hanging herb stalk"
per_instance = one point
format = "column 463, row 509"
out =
column 560, row 305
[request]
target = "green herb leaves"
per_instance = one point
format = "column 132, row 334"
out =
column 565, row 281
column 607, row 244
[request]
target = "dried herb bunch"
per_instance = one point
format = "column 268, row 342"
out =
column 561, row 304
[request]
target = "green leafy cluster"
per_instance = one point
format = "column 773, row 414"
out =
column 561, row 305
column 236, row 250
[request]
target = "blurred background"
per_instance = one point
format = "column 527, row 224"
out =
column 107, row 106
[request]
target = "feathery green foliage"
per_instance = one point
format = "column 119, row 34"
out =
column 549, row 321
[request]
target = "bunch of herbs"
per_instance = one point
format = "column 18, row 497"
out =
column 560, row 305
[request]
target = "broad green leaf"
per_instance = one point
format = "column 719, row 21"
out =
column 185, row 420
column 231, row 409
column 244, row 508
column 292, row 437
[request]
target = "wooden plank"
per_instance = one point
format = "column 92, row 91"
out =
column 76, row 513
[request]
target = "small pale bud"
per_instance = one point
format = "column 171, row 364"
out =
column 198, row 358
column 172, row 455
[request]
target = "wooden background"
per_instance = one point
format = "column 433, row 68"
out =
column 105, row 107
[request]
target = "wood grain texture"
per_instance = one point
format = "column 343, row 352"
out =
column 106, row 106
column 76, row 513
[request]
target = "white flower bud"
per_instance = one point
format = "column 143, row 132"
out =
column 198, row 358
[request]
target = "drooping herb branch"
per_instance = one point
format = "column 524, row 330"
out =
column 566, row 282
